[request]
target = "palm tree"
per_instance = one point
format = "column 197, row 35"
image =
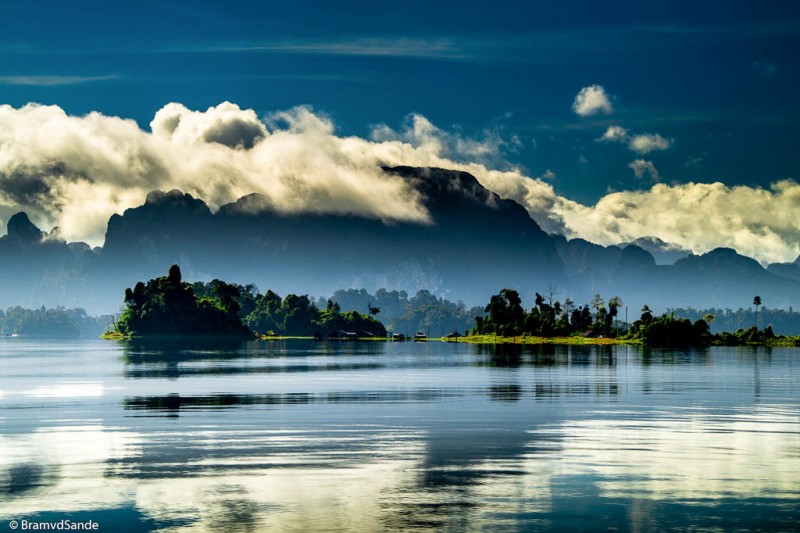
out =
column 756, row 302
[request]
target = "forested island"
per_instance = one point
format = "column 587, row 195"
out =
column 169, row 306
column 549, row 318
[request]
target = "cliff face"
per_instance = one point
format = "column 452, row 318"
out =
column 474, row 245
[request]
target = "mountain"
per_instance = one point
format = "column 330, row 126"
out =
column 785, row 270
column 664, row 253
column 475, row 244
column 36, row 269
column 721, row 278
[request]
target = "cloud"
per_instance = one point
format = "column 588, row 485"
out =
column 592, row 100
column 642, row 143
column 409, row 47
column 52, row 81
column 641, row 167
column 614, row 134
column 697, row 216
column 488, row 149
column 648, row 142
column 225, row 124
column 75, row 172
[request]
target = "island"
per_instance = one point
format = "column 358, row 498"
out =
column 167, row 306
column 552, row 322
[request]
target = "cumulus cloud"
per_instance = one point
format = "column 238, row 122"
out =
column 592, row 100
column 75, row 172
column 615, row 134
column 641, row 167
column 642, row 143
column 698, row 216
column 225, row 124
column 648, row 142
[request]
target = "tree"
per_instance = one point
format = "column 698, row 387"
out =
column 613, row 305
column 647, row 314
column 504, row 314
column 597, row 304
column 168, row 306
column 756, row 302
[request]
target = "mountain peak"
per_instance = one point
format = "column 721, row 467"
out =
column 173, row 198
column 22, row 230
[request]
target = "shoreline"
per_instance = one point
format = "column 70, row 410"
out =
column 777, row 342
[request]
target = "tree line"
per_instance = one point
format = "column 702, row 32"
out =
column 424, row 311
column 170, row 306
column 505, row 316
column 783, row 321
column 57, row 322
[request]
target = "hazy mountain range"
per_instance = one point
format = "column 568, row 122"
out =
column 475, row 244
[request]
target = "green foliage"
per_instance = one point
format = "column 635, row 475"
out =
column 298, row 316
column 504, row 314
column 234, row 298
column 57, row 323
column 782, row 321
column 168, row 306
column 333, row 320
column 742, row 337
column 548, row 317
column 40, row 323
column 667, row 330
column 400, row 312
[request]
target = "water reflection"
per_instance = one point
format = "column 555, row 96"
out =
column 173, row 403
column 547, row 355
column 260, row 436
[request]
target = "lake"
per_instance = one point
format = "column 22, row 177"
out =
column 304, row 436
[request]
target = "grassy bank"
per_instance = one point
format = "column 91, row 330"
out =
column 492, row 339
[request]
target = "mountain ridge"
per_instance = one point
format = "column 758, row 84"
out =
column 475, row 244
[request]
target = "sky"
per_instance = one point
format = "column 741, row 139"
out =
column 607, row 120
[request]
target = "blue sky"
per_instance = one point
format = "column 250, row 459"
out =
column 719, row 78
column 715, row 81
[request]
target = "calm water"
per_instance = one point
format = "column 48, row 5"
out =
column 299, row 436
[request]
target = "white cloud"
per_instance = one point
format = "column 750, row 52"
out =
column 226, row 124
column 641, row 167
column 697, row 216
column 614, row 134
column 648, row 142
column 641, row 143
column 52, row 81
column 592, row 100
column 75, row 172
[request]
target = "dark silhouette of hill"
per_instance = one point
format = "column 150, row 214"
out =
column 37, row 269
column 664, row 253
column 475, row 244
column 721, row 278
column 785, row 270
